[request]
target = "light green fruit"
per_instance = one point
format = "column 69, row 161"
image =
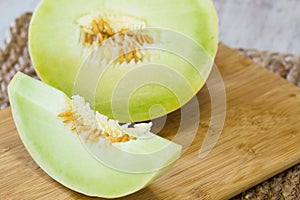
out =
column 188, row 30
column 66, row 158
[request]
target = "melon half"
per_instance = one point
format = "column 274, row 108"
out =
column 133, row 60
column 113, row 165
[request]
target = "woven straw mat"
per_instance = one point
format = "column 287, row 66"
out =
column 14, row 57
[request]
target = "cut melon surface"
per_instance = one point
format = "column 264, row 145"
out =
column 62, row 154
column 167, row 66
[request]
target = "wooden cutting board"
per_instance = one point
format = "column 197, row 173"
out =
column 261, row 138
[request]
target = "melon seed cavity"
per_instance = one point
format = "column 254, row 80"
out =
column 95, row 126
column 120, row 34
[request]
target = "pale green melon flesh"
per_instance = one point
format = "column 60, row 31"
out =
column 57, row 55
column 58, row 151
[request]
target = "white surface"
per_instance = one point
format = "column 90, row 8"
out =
column 262, row 24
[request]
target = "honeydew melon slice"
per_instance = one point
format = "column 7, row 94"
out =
column 178, row 37
column 66, row 157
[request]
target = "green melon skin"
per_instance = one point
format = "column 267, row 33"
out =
column 57, row 55
column 59, row 152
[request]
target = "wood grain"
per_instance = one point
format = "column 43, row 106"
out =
column 261, row 138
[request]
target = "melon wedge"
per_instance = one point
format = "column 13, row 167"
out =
column 63, row 155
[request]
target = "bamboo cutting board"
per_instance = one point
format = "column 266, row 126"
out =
column 261, row 138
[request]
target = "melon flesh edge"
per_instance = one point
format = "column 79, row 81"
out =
column 58, row 150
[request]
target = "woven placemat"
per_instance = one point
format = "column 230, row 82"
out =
column 14, row 57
